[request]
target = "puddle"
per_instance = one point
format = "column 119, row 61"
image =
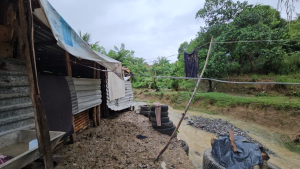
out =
column 199, row 140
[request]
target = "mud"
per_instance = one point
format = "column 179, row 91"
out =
column 199, row 140
column 114, row 144
column 284, row 122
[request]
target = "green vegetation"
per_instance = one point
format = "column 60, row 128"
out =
column 227, row 100
column 226, row 21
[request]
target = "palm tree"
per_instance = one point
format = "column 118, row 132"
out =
column 85, row 37
column 95, row 46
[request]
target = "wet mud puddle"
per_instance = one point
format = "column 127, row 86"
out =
column 199, row 140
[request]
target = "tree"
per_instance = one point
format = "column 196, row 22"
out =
column 182, row 48
column 220, row 11
column 294, row 29
column 95, row 46
column 289, row 7
column 98, row 48
column 120, row 54
column 85, row 37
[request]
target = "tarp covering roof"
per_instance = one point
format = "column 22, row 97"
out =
column 69, row 40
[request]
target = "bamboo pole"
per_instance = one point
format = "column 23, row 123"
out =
column 188, row 105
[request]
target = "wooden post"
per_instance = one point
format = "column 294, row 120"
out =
column 69, row 73
column 68, row 64
column 188, row 105
column 98, row 107
column 95, row 108
column 42, row 128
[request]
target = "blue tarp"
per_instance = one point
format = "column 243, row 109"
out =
column 248, row 155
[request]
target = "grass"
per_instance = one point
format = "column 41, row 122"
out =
column 227, row 100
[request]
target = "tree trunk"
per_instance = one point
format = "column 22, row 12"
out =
column 210, row 86
column 240, row 63
column 251, row 62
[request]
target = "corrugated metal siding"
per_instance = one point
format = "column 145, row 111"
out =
column 81, row 121
column 73, row 94
column 122, row 103
column 16, row 111
column 88, row 93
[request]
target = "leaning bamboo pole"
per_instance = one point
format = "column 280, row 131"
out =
column 188, row 105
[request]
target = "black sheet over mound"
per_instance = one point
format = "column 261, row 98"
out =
column 56, row 98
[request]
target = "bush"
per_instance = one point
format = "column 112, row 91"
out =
column 146, row 90
column 261, row 94
column 254, row 78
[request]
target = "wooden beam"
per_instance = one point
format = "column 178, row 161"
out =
column 68, row 64
column 5, row 49
column 95, row 108
column 69, row 73
column 6, row 33
column 42, row 128
column 98, row 107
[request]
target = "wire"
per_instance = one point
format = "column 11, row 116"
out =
column 250, row 41
column 174, row 77
column 216, row 80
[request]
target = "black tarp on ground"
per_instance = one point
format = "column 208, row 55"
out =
column 248, row 154
column 56, row 98
column 191, row 66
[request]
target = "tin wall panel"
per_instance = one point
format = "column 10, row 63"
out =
column 16, row 110
column 122, row 103
column 85, row 93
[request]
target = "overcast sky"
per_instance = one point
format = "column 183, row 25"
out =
column 151, row 28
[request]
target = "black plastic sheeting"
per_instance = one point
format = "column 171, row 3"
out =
column 191, row 66
column 247, row 157
column 56, row 98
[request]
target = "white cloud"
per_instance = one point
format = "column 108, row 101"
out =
column 149, row 27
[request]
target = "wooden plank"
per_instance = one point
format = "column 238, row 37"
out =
column 6, row 33
column 5, row 49
column 40, row 116
column 232, row 141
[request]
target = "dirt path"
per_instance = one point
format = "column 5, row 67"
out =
column 114, row 145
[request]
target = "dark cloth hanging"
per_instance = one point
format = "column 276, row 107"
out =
column 191, row 65
column 56, row 98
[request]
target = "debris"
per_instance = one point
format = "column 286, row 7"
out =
column 196, row 152
column 141, row 137
column 163, row 165
column 232, row 142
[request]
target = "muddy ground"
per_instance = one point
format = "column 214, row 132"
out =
column 285, row 122
column 114, row 145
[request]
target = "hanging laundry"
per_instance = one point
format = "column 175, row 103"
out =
column 191, row 65
column 157, row 106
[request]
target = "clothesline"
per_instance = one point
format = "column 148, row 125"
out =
column 195, row 78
